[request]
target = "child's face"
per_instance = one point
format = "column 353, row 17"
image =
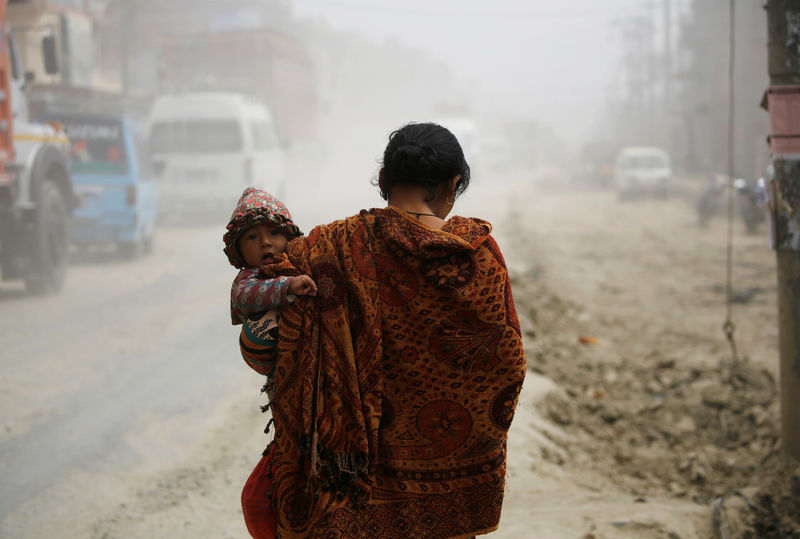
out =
column 259, row 243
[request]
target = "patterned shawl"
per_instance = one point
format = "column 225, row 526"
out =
column 396, row 385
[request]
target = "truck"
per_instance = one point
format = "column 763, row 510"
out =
column 36, row 190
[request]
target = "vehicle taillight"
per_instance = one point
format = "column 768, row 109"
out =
column 130, row 195
column 248, row 171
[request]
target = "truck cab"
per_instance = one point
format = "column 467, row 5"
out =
column 36, row 196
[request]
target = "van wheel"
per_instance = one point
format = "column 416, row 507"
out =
column 147, row 244
column 50, row 242
column 129, row 250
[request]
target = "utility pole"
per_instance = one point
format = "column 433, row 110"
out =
column 650, row 66
column 125, row 22
column 667, row 103
column 783, row 20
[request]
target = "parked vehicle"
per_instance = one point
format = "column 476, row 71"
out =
column 208, row 146
column 114, row 182
column 36, row 193
column 596, row 160
column 711, row 199
column 642, row 170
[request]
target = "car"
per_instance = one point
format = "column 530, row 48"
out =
column 117, row 195
column 642, row 170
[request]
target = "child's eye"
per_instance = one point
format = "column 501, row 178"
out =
column 274, row 232
column 252, row 236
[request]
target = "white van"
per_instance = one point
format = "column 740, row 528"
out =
column 207, row 147
column 642, row 170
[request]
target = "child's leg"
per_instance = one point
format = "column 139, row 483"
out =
column 258, row 342
column 266, row 326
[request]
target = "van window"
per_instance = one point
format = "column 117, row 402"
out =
column 263, row 136
column 97, row 146
column 196, row 136
column 644, row 161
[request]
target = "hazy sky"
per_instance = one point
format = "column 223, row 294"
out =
column 543, row 60
column 550, row 62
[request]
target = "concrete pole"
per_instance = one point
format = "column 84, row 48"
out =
column 668, row 77
column 126, row 14
column 783, row 19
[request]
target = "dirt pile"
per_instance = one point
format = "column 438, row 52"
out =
column 657, row 426
column 769, row 509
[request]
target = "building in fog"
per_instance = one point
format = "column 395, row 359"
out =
column 133, row 32
column 111, row 51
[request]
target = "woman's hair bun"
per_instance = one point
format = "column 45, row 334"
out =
column 409, row 156
column 423, row 154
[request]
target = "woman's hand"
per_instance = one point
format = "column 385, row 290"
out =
column 303, row 285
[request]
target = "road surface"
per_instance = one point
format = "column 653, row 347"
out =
column 85, row 373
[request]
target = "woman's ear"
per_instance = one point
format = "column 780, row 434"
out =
column 454, row 183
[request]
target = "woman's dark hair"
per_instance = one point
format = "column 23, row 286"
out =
column 423, row 154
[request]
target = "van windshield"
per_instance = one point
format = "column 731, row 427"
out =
column 195, row 136
column 644, row 161
column 96, row 145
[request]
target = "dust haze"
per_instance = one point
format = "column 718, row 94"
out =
column 597, row 134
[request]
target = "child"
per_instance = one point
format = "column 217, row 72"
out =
column 259, row 229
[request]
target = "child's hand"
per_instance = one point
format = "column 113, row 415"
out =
column 303, row 285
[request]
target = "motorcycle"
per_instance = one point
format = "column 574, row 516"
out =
column 751, row 201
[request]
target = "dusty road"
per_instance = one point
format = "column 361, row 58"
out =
column 128, row 413
column 120, row 372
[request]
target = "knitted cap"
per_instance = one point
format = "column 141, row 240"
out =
column 256, row 206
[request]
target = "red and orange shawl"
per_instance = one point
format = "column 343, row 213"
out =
column 396, row 385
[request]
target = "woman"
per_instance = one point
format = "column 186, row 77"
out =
column 396, row 386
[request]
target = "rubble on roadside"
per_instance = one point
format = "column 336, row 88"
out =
column 657, row 426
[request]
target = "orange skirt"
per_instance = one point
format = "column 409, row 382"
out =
column 259, row 516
